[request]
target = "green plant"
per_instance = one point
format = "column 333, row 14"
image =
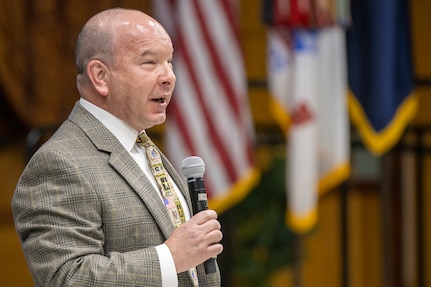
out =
column 261, row 241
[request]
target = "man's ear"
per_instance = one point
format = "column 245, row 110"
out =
column 98, row 75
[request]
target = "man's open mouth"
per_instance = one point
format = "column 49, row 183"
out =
column 160, row 100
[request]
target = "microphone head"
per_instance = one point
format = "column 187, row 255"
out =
column 193, row 166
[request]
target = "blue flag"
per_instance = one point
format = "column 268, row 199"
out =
column 380, row 72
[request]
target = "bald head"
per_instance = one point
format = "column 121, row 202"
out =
column 97, row 38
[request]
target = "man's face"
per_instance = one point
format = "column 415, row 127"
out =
column 141, row 79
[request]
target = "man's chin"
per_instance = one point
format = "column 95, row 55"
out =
column 158, row 120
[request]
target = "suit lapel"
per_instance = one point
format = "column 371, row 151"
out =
column 123, row 164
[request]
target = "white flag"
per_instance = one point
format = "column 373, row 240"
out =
column 307, row 79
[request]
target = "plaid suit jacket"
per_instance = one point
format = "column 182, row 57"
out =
column 87, row 216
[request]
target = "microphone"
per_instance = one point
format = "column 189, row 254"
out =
column 193, row 168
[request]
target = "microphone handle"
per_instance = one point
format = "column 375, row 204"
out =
column 210, row 265
column 198, row 196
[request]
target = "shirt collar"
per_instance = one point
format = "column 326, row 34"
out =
column 125, row 134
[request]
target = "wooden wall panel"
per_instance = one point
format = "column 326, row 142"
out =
column 37, row 44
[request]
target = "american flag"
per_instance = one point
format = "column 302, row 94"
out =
column 209, row 115
column 169, row 202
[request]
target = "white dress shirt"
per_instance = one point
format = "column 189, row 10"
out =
column 126, row 135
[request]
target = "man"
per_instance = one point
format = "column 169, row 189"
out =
column 87, row 209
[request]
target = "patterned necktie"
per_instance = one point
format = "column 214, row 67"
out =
column 169, row 195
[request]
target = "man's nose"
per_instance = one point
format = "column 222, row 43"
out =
column 167, row 76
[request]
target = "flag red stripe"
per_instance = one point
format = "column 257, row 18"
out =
column 229, row 11
column 280, row 13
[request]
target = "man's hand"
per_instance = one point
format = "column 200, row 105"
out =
column 195, row 241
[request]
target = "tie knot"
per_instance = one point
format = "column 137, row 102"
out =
column 142, row 139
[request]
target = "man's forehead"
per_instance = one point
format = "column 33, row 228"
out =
column 143, row 25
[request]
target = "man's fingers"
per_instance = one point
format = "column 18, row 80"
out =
column 204, row 216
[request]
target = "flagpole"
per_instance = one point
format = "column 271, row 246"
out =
column 385, row 218
column 420, row 166
column 297, row 261
column 344, row 190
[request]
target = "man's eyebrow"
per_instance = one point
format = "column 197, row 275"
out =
column 147, row 53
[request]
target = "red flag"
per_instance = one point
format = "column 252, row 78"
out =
column 209, row 115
